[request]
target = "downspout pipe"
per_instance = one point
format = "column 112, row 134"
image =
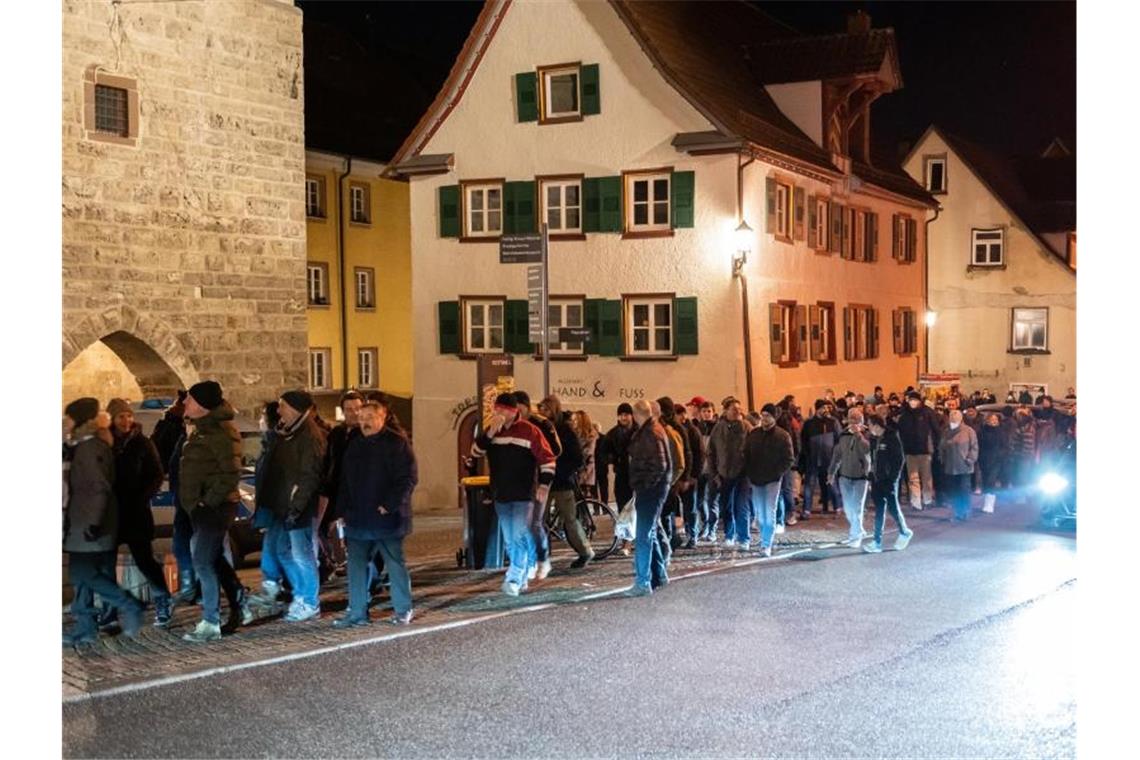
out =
column 926, row 288
column 739, row 272
column 340, row 267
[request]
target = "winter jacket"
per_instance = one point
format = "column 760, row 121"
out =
column 649, row 457
column 570, row 460
column 138, row 476
column 1023, row 440
column 336, row 444
column 588, row 475
column 91, row 519
column 696, row 450
column 378, row 471
column 705, row 428
column 549, row 432
column 615, row 451
column 919, row 430
column 787, row 424
column 516, row 455
column 993, row 444
column 959, row 451
column 819, row 436
column 210, row 467
column 167, row 432
column 677, row 458
column 291, row 478
column 726, row 448
column 768, row 454
column 887, row 459
column 852, row 457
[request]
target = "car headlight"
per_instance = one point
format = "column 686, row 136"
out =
column 1051, row 483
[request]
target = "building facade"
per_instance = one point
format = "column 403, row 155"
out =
column 358, row 294
column 183, row 209
column 642, row 136
column 1003, row 264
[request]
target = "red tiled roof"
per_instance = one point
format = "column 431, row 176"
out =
column 808, row 59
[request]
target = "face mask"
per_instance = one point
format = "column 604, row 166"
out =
column 954, row 425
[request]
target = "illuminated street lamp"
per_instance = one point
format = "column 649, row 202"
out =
column 743, row 238
column 931, row 318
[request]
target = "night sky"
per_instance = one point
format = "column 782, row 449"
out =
column 1001, row 74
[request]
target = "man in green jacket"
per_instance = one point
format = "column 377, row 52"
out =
column 208, row 490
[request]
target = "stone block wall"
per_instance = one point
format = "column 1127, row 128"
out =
column 190, row 236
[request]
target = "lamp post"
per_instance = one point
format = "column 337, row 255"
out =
column 743, row 239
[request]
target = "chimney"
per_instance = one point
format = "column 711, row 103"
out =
column 859, row 22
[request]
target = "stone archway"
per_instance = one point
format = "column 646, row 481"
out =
column 145, row 345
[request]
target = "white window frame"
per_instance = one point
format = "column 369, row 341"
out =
column 562, row 184
column 320, row 369
column 320, row 295
column 484, row 211
column 359, row 197
column 1027, row 320
column 631, row 181
column 783, row 211
column 560, row 348
column 369, row 281
column 469, row 306
column 547, row 76
column 822, row 223
column 314, row 208
column 928, row 162
column 631, row 329
column 367, row 366
column 988, row 243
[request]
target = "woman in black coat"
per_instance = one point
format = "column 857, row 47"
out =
column 993, row 446
column 138, row 476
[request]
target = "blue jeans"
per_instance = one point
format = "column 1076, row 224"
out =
column 94, row 573
column 732, row 500
column 853, row 493
column 817, row 481
column 210, row 527
column 742, row 511
column 276, row 554
column 764, row 497
column 303, row 560
column 183, row 530
column 787, row 497
column 648, row 559
column 539, row 543
column 691, row 504
column 360, row 554
column 514, row 521
column 886, row 499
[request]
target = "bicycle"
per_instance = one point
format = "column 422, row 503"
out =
column 598, row 520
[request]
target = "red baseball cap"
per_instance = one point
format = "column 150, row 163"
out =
column 696, row 401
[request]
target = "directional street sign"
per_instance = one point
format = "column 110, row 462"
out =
column 521, row 248
column 534, row 302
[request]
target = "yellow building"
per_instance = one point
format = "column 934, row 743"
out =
column 359, row 293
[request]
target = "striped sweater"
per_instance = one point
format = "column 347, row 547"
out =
column 516, row 454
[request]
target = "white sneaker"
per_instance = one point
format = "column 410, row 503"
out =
column 903, row 539
column 873, row 548
column 300, row 612
column 510, row 588
column 767, row 551
column 853, row 543
column 779, row 529
column 543, row 569
column 729, row 543
column 533, row 571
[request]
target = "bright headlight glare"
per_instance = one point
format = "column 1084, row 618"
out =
column 1052, row 483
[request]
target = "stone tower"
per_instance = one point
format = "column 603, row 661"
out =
column 183, row 192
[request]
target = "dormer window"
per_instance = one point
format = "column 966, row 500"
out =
column 560, row 94
column 934, row 173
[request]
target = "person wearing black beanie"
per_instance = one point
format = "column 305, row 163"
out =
column 298, row 399
column 207, row 394
column 613, row 450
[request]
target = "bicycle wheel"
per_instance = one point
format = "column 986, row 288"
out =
column 599, row 521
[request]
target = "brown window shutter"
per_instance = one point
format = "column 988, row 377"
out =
column 799, row 215
column 776, row 332
column 815, row 333
column 872, row 334
column 770, row 193
column 895, row 239
column 897, row 330
column 874, row 219
column 912, row 333
column 836, row 213
column 811, row 222
column 848, row 334
column 802, row 339
column 912, row 240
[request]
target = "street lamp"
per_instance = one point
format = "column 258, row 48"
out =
column 743, row 238
column 931, row 318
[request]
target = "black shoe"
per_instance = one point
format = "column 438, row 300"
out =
column 691, row 545
column 659, row 583
column 78, row 638
column 162, row 611
column 805, row 516
column 107, row 617
column 189, row 590
column 238, row 605
column 351, row 622
column 581, row 562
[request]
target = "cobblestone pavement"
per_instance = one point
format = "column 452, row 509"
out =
column 443, row 594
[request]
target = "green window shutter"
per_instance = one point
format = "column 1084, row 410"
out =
column 685, row 326
column 591, row 205
column 592, row 318
column 610, row 195
column 449, row 327
column 591, row 95
column 770, row 195
column 682, row 192
column 449, row 211
column 518, row 207
column 516, row 324
column 609, row 337
column 526, row 95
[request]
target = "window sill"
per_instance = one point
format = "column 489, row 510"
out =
column 645, row 234
column 311, row 218
column 113, row 139
column 352, row 223
column 822, row 252
column 662, row 358
column 783, row 239
column 566, row 236
column 319, row 306
column 983, row 267
column 480, row 239
column 937, row 192
column 827, row 362
column 1029, row 351
column 906, row 262
column 787, row 365
column 560, row 119
column 366, row 308
column 562, row 357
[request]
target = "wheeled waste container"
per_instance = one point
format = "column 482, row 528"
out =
column 482, row 543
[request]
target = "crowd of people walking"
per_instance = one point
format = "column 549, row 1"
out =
column 687, row 474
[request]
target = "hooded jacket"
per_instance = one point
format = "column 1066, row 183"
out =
column 919, row 430
column 210, row 467
column 570, row 459
column 138, row 476
column 887, row 459
column 768, row 454
column 291, row 477
column 91, row 516
column 378, row 471
column 614, row 449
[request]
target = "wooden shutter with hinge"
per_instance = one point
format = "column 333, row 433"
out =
column 776, row 332
column 897, row 330
column 802, row 338
column 816, row 332
column 912, row 240
column 526, row 96
column 811, row 222
column 835, row 244
column 799, row 214
column 848, row 334
column 682, row 194
column 685, row 326
column 770, row 204
column 449, row 211
column 591, row 94
column 449, row 342
column 896, row 238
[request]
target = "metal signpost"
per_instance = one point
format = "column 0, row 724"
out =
column 531, row 248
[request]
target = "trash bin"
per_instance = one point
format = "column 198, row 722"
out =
column 482, row 543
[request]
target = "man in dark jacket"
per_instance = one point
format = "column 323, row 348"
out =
column 138, row 476
column 540, row 542
column 707, row 501
column 568, row 463
column 886, row 466
column 209, row 472
column 519, row 457
column 851, row 467
column 768, row 457
column 168, row 430
column 786, row 504
column 919, row 430
column 290, row 489
column 650, row 476
column 90, row 522
column 682, row 461
column 337, row 443
column 820, row 434
column 613, row 452
column 377, row 476
column 691, row 495
column 726, row 464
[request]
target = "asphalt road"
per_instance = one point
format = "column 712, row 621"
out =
column 957, row 647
